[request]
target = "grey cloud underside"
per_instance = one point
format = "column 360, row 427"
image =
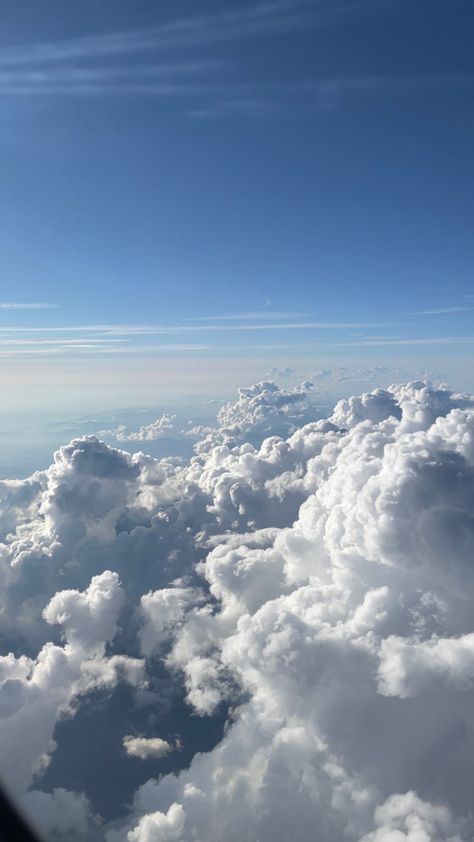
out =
column 309, row 580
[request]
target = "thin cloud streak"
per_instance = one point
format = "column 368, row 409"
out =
column 101, row 74
column 227, row 97
column 29, row 305
column 438, row 311
column 261, row 19
column 42, row 68
column 157, row 330
column 11, row 352
column 439, row 340
column 156, row 79
column 77, row 343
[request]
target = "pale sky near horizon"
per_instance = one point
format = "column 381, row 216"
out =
column 194, row 195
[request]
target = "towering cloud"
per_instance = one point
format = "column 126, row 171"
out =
column 310, row 580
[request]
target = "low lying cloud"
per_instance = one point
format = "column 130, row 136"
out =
column 306, row 580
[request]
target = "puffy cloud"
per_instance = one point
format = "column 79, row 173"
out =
column 147, row 432
column 160, row 827
column 88, row 619
column 144, row 747
column 162, row 611
column 317, row 627
column 406, row 818
column 372, row 406
column 18, row 502
column 266, row 409
column 34, row 693
column 409, row 667
column 309, row 579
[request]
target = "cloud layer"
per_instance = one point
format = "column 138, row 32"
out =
column 308, row 579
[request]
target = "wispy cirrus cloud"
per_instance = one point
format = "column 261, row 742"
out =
column 78, row 66
column 73, row 342
column 416, row 340
column 156, row 330
column 81, row 66
column 229, row 25
column 181, row 78
column 27, row 305
column 75, row 347
column 123, row 339
column 438, row 311
column 214, row 95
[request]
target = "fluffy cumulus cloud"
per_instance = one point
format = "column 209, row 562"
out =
column 267, row 409
column 162, row 426
column 144, row 747
column 306, row 581
column 36, row 692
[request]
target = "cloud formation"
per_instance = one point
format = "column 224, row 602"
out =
column 144, row 747
column 148, row 432
column 309, row 580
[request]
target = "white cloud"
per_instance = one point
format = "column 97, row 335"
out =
column 267, row 409
column 146, row 747
column 148, row 432
column 160, row 827
column 88, row 619
column 34, row 693
column 315, row 576
column 406, row 818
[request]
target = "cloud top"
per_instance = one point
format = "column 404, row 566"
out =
column 307, row 579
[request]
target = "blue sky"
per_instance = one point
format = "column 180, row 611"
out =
column 206, row 191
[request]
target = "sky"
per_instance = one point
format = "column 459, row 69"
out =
column 194, row 195
column 236, row 277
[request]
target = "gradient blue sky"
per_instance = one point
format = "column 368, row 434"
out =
column 207, row 190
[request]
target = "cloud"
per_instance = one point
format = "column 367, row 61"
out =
column 417, row 340
column 115, row 64
column 36, row 692
column 27, row 305
column 53, row 68
column 145, row 747
column 148, row 432
column 411, row 667
column 436, row 311
column 281, row 372
column 408, row 818
column 165, row 827
column 343, row 374
column 60, row 813
column 265, row 408
column 306, row 581
column 90, row 618
column 227, row 25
